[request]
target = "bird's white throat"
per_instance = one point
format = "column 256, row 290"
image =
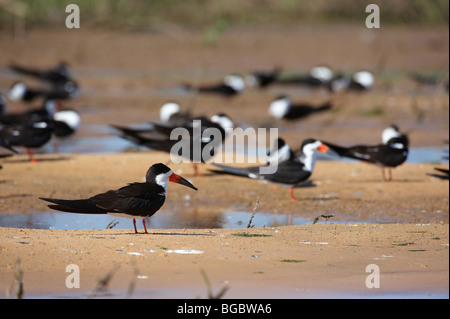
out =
column 162, row 180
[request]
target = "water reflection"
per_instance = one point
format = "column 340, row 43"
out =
column 167, row 219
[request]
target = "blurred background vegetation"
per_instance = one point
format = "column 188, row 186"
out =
column 149, row 14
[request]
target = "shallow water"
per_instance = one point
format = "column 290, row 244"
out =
column 162, row 220
column 105, row 144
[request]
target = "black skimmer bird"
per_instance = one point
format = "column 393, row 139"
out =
column 193, row 144
column 59, row 74
column 360, row 81
column 44, row 113
column 66, row 122
column 232, row 85
column 317, row 77
column 220, row 121
column 263, row 79
column 136, row 200
column 291, row 171
column 282, row 108
column 29, row 135
column 19, row 91
column 390, row 154
column 170, row 114
column 62, row 84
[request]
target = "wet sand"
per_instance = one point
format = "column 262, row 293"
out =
column 288, row 262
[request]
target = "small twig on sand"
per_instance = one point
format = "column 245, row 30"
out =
column 18, row 278
column 326, row 217
column 112, row 224
column 250, row 225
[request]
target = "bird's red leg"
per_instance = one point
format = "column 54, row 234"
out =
column 134, row 223
column 390, row 174
column 31, row 155
column 291, row 192
column 143, row 223
column 197, row 174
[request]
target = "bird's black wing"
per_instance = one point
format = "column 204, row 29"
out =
column 303, row 110
column 442, row 170
column 82, row 206
column 53, row 76
column 5, row 144
column 29, row 72
column 222, row 89
column 252, row 172
column 139, row 199
column 378, row 154
column 288, row 172
column 27, row 135
column 131, row 132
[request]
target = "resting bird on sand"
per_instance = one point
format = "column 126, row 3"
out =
column 392, row 153
column 136, row 200
column 291, row 171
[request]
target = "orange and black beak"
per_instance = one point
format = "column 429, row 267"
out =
column 323, row 148
column 180, row 180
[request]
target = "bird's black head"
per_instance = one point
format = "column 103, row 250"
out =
column 63, row 69
column 395, row 127
column 308, row 141
column 155, row 170
column 161, row 174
